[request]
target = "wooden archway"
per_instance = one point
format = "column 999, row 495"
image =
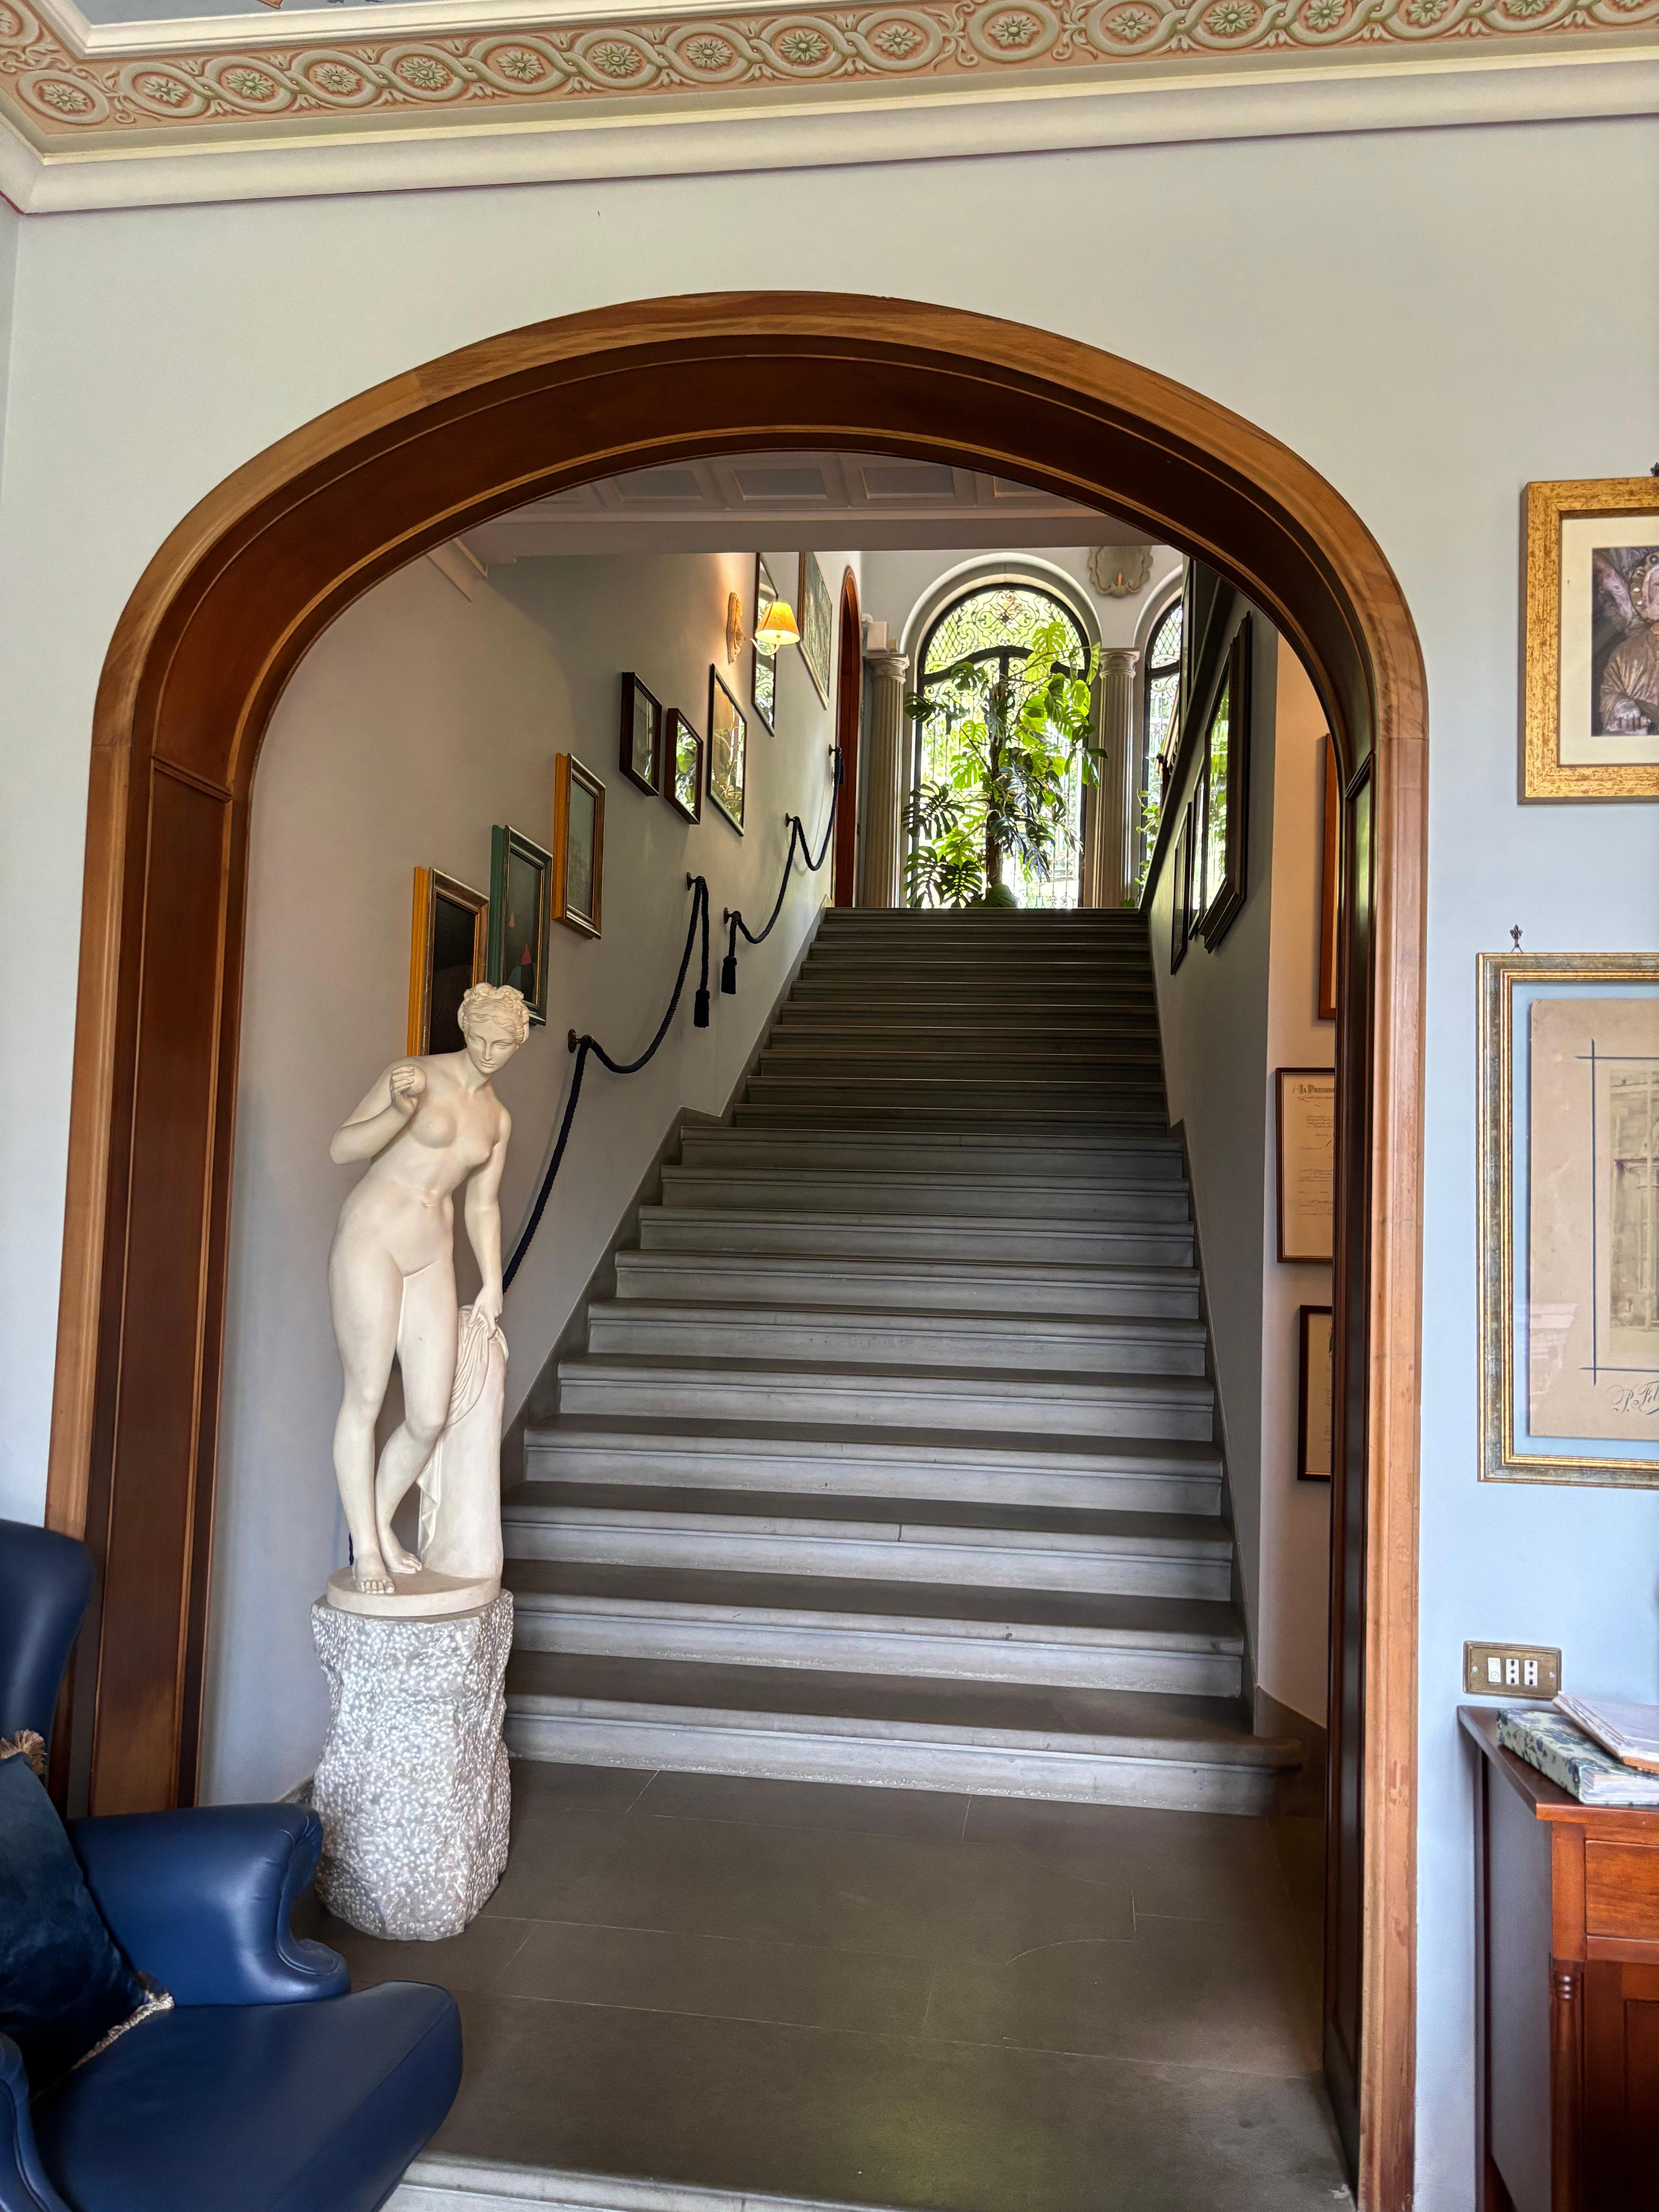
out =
column 216, row 626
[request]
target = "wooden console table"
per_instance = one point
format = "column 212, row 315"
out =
column 1567, row 1993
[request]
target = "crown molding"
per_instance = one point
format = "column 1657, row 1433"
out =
column 1182, row 95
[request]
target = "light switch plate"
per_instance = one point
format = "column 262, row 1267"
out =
column 1511, row 1670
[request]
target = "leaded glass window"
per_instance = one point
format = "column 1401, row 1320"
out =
column 1163, row 696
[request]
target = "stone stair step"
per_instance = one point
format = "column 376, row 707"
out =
column 1056, row 1155
column 1099, row 1747
column 893, row 1539
column 1115, row 1200
column 1030, row 1343
column 1014, row 1287
column 776, row 1229
column 887, row 1109
column 1187, row 1647
column 797, row 1460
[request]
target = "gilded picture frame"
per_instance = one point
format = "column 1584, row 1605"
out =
column 1591, row 601
column 520, row 909
column 816, row 613
column 448, row 952
column 1315, row 1405
column 578, row 845
column 1569, row 1263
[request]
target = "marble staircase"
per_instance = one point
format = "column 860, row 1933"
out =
column 893, row 1459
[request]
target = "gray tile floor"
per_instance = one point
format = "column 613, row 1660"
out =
column 891, row 1997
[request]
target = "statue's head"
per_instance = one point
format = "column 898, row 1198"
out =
column 1644, row 588
column 494, row 1021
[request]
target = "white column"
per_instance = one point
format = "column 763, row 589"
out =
column 1109, row 873
column 883, row 762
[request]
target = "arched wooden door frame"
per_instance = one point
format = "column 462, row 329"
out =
column 849, row 706
column 249, row 579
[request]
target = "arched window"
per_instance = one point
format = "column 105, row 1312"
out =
column 1162, row 669
column 997, row 623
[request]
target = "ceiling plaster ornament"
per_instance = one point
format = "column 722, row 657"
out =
column 733, row 627
column 54, row 94
column 1119, row 572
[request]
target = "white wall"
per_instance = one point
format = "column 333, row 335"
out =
column 1296, row 1516
column 1430, row 319
column 418, row 721
column 1214, row 1014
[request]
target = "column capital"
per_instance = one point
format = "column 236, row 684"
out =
column 887, row 660
column 1120, row 660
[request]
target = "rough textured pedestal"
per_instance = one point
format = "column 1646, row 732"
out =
column 412, row 1786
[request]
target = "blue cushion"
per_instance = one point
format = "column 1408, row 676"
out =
column 257, row 2108
column 62, row 1983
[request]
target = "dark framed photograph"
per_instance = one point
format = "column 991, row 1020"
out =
column 817, row 625
column 763, row 666
column 728, row 751
column 1221, row 857
column 1181, row 899
column 683, row 757
column 1315, row 1397
column 578, row 845
column 1307, row 1162
column 520, row 909
column 449, row 952
column 642, row 735
column 1591, row 695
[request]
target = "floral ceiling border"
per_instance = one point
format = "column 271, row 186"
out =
column 398, row 80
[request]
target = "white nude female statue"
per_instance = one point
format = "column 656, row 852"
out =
column 428, row 1125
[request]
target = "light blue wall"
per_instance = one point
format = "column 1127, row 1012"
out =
column 1431, row 319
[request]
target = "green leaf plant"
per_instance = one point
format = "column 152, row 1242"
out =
column 1012, row 741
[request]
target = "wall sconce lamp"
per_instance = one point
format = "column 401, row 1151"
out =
column 776, row 628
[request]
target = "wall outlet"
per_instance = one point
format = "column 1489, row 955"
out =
column 1511, row 1670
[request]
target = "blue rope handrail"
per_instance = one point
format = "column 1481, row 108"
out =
column 587, row 1047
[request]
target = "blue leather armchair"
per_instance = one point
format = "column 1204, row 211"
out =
column 269, row 2087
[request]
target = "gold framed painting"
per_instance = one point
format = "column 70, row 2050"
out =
column 448, row 953
column 521, row 904
column 1590, row 687
column 578, row 864
column 1569, row 1219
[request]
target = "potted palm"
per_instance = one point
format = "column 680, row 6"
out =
column 1016, row 731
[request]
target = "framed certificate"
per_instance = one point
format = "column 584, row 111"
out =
column 1307, row 1162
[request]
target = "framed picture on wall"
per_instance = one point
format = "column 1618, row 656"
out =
column 1181, row 889
column 1225, row 785
column 728, row 751
column 683, row 753
column 1314, row 1396
column 578, row 845
column 1306, row 1163
column 1332, row 849
column 642, row 735
column 1569, row 1217
column 763, row 666
column 1590, row 716
column 520, row 908
column 816, row 617
column 449, row 952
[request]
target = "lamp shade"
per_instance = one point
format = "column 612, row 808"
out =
column 776, row 627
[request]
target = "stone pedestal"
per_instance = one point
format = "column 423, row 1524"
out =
column 412, row 1786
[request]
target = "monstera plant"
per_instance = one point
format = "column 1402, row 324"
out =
column 1015, row 731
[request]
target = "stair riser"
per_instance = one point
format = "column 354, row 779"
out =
column 889, row 1109
column 1040, row 1351
column 1033, row 1089
column 893, row 1286
column 845, row 1648
column 734, row 1149
column 989, row 1566
column 678, row 1743
column 683, row 1229
column 847, row 1193
column 957, row 1482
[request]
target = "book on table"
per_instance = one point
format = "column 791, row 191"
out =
column 1630, row 1732
column 1547, row 1739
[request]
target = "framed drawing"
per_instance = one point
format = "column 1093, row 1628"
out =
column 520, row 908
column 578, row 845
column 642, row 735
column 1314, row 1396
column 1569, row 1217
column 683, row 757
column 817, row 624
column 1180, row 889
column 448, row 953
column 1307, row 1162
column 1327, row 884
column 1591, row 621
column 763, row 666
column 1225, row 786
column 728, row 753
